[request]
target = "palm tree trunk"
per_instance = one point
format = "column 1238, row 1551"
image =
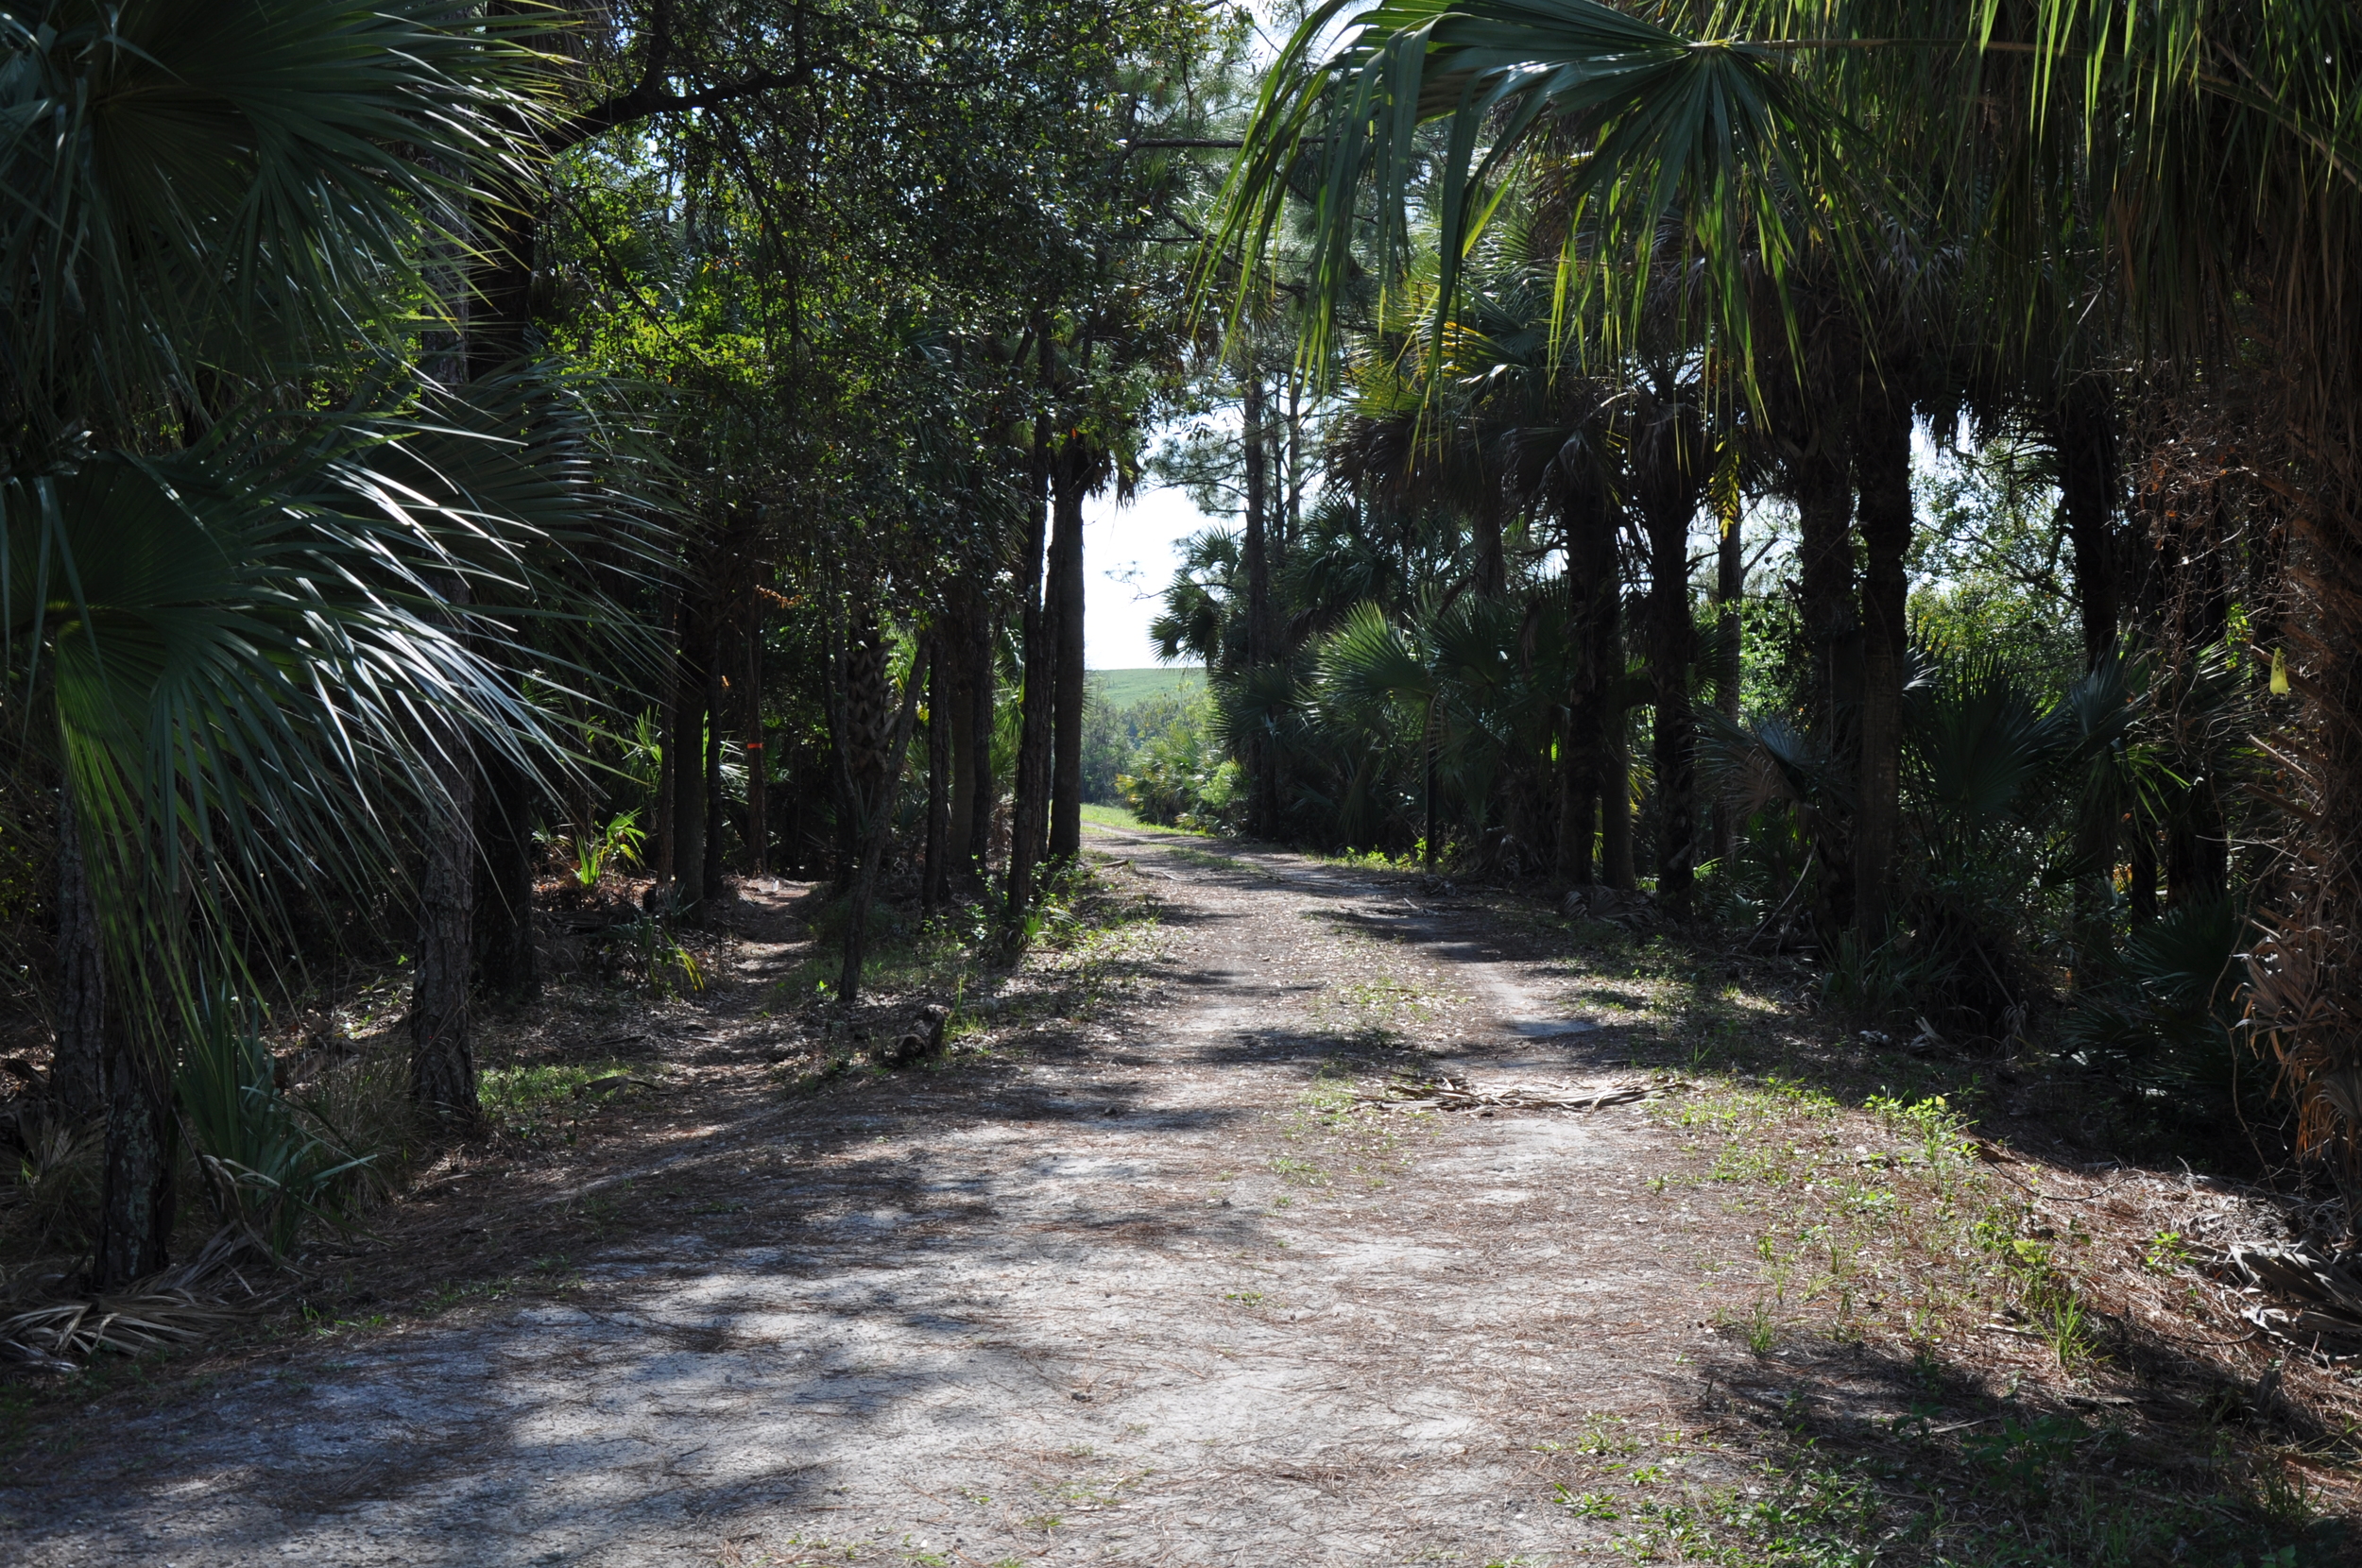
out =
column 1578, row 801
column 1616, row 861
column 136, row 1203
column 503, row 917
column 135, row 1211
column 443, row 1050
column 1073, row 471
column 1882, row 458
column 77, row 1067
column 1669, row 501
column 1491, row 561
column 1729, row 584
column 2085, row 435
column 1433, row 826
column 1596, row 603
column 1823, row 494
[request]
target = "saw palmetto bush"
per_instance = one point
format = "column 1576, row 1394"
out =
column 264, row 1165
column 239, row 534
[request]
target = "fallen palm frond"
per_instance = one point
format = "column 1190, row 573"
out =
column 2327, row 1298
column 1446, row 1093
column 54, row 1336
column 184, row 1306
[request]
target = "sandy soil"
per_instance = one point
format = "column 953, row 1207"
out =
column 1144, row 1290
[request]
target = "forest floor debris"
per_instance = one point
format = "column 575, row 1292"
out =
column 1130, row 1274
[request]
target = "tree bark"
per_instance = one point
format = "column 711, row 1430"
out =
column 1616, row 862
column 1729, row 584
column 955, row 664
column 1432, row 829
column 1033, row 750
column 1882, row 458
column 503, row 917
column 442, row 1051
column 1823, row 494
column 1261, row 642
column 711, row 885
column 684, row 753
column 1075, row 471
column 936, row 882
column 2083, row 432
column 758, row 752
column 136, row 1198
column 77, row 1067
column 878, row 826
column 1596, row 603
column 1670, row 478
column 668, row 691
column 983, row 697
column 1491, row 561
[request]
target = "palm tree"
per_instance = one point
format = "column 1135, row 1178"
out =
column 245, row 632
column 2212, row 147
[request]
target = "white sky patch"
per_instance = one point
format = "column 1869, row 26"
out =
column 1129, row 553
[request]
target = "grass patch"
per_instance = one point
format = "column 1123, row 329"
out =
column 1121, row 689
column 530, row 1099
column 1222, row 862
column 1117, row 816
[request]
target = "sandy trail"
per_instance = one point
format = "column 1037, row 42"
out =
column 1141, row 1298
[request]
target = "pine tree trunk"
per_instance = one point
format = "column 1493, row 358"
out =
column 443, row 1051
column 955, row 661
column 878, row 826
column 1033, row 750
column 1823, row 494
column 661, row 724
column 77, row 1067
column 1261, row 643
column 936, row 881
column 1882, row 458
column 684, row 753
column 711, row 885
column 1066, row 589
column 757, row 753
column 984, row 692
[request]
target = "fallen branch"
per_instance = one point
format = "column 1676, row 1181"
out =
column 1444, row 1093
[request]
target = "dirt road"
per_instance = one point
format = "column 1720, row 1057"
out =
column 1149, row 1291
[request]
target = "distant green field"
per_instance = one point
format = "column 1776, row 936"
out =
column 1121, row 689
